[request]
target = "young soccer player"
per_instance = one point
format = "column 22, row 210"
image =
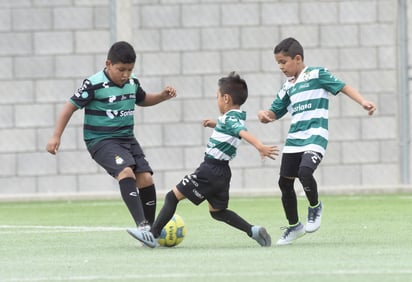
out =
column 305, row 96
column 109, row 98
column 210, row 181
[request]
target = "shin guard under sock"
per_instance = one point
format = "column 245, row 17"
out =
column 148, row 198
column 131, row 199
column 233, row 219
column 289, row 199
column 165, row 214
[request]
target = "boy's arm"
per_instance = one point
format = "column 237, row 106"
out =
column 152, row 99
column 266, row 116
column 357, row 97
column 64, row 117
column 265, row 151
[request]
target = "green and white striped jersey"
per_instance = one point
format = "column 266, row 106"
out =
column 109, row 109
column 225, row 139
column 307, row 100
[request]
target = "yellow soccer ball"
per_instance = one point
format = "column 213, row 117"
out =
column 173, row 233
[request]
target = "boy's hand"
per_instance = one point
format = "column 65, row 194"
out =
column 266, row 116
column 209, row 123
column 53, row 145
column 268, row 151
column 169, row 92
column 369, row 106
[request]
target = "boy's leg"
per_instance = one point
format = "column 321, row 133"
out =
column 144, row 181
column 233, row 219
column 288, row 172
column 310, row 161
column 315, row 206
column 132, row 200
column 289, row 199
column 118, row 161
column 165, row 214
column 309, row 185
column 290, row 206
column 148, row 198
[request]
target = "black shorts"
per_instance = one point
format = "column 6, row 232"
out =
column 291, row 162
column 210, row 181
column 114, row 155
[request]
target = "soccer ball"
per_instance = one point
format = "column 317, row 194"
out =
column 173, row 233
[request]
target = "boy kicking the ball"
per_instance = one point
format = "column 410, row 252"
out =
column 210, row 181
column 109, row 98
column 305, row 96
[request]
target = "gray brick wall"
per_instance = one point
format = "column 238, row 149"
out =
column 48, row 47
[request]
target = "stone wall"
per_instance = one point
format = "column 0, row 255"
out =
column 48, row 47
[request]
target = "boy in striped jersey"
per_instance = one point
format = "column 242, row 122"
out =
column 305, row 96
column 109, row 98
column 211, row 179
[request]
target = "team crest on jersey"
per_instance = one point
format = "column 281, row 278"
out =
column 118, row 160
column 306, row 75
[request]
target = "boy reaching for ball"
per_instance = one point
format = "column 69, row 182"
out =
column 305, row 96
column 109, row 98
column 211, row 180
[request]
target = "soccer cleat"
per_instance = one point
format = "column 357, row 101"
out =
column 314, row 218
column 291, row 234
column 146, row 237
column 261, row 236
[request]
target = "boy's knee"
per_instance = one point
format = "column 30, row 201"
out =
column 170, row 197
column 286, row 184
column 217, row 214
column 305, row 174
column 126, row 172
column 144, row 179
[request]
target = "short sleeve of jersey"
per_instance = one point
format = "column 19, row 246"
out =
column 83, row 95
column 140, row 94
column 329, row 82
column 234, row 125
column 282, row 101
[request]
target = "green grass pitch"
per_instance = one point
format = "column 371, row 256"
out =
column 362, row 238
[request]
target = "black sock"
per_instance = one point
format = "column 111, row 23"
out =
column 165, row 214
column 233, row 219
column 148, row 198
column 131, row 199
column 309, row 185
column 289, row 199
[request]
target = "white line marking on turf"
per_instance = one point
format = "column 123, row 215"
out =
column 55, row 229
column 274, row 274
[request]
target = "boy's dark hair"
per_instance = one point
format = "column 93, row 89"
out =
column 234, row 86
column 121, row 52
column 290, row 47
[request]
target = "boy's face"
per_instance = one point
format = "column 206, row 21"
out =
column 119, row 73
column 221, row 101
column 288, row 65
